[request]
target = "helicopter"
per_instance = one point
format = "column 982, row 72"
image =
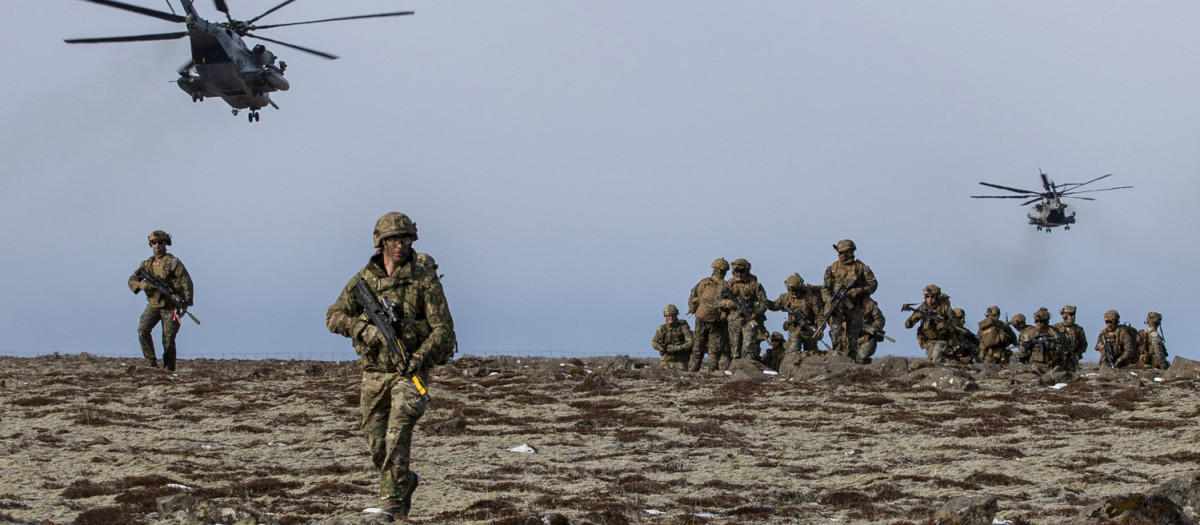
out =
column 1050, row 210
column 223, row 64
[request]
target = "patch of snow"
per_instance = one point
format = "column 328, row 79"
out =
column 178, row 486
column 1059, row 386
column 654, row 512
column 523, row 449
column 771, row 372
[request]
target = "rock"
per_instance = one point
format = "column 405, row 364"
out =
column 1182, row 369
column 941, row 379
column 450, row 426
column 623, row 362
column 967, row 510
column 355, row 518
column 188, row 509
column 891, row 366
column 1133, row 509
column 747, row 369
column 1183, row 491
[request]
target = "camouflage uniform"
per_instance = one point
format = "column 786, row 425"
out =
column 1120, row 338
column 1018, row 324
column 1152, row 349
column 995, row 338
column 935, row 337
column 872, row 333
column 775, row 351
column 390, row 402
column 1068, row 327
column 161, row 308
column 673, row 340
column 1042, row 345
column 846, row 321
column 744, row 333
column 799, row 301
column 712, row 328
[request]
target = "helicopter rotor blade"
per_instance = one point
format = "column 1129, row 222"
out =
column 1073, row 192
column 1073, row 186
column 221, row 6
column 999, row 196
column 997, row 186
column 170, row 17
column 1031, row 201
column 131, row 38
column 1080, row 198
column 269, row 11
column 356, row 17
column 321, row 54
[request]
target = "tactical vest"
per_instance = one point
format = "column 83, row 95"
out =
column 706, row 299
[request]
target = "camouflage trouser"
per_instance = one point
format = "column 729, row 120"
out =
column 866, row 348
column 937, row 351
column 797, row 342
column 743, row 339
column 711, row 338
column 390, row 408
column 170, row 327
column 999, row 356
column 676, row 361
column 845, row 338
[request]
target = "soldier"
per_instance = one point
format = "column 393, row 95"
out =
column 391, row 398
column 775, row 351
column 1078, row 338
column 1042, row 345
column 743, row 330
column 1018, row 324
column 1151, row 345
column 856, row 280
column 965, row 347
column 995, row 338
column 804, row 307
column 1116, row 343
column 162, row 306
column 673, row 340
column 872, row 332
column 936, row 334
column 707, row 301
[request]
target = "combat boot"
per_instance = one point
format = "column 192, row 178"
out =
column 413, row 481
column 151, row 362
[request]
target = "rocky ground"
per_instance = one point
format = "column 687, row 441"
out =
column 100, row 440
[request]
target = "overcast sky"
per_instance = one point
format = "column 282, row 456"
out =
column 576, row 166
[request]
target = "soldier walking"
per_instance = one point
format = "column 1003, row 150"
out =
column 165, row 305
column 744, row 327
column 804, row 307
column 673, row 340
column 392, row 396
column 707, row 301
column 856, row 280
column 936, row 333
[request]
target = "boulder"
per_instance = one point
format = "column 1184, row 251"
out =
column 188, row 509
column 941, row 379
column 967, row 510
column 891, row 366
column 1132, row 508
column 1182, row 370
column 1184, row 491
column 748, row 370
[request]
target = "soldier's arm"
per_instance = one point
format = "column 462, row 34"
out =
column 693, row 300
column 182, row 283
column 441, row 325
column 760, row 300
column 868, row 284
column 657, row 341
column 686, row 344
column 344, row 315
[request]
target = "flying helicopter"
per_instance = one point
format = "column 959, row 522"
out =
column 1049, row 211
column 223, row 64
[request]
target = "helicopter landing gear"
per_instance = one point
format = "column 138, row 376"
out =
column 253, row 116
column 197, row 98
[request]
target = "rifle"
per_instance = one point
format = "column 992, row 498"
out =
column 165, row 290
column 739, row 302
column 927, row 314
column 383, row 316
column 879, row 334
column 1108, row 352
column 835, row 301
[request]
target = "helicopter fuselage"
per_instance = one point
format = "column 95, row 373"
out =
column 1051, row 213
column 226, row 67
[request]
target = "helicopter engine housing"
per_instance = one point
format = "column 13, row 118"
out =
column 274, row 77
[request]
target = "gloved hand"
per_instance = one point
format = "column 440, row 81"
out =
column 371, row 336
column 147, row 287
column 729, row 304
column 416, row 363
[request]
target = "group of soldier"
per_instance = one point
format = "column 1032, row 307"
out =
column 730, row 316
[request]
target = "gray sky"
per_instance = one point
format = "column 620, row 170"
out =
column 575, row 166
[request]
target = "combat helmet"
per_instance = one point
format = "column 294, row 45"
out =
column 1112, row 315
column 932, row 289
column 393, row 223
column 671, row 310
column 159, row 235
column 1041, row 315
column 992, row 311
column 959, row 313
column 794, row 282
column 740, row 264
column 776, row 337
column 1068, row 309
column 1153, row 318
column 1017, row 320
column 721, row 264
column 845, row 245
